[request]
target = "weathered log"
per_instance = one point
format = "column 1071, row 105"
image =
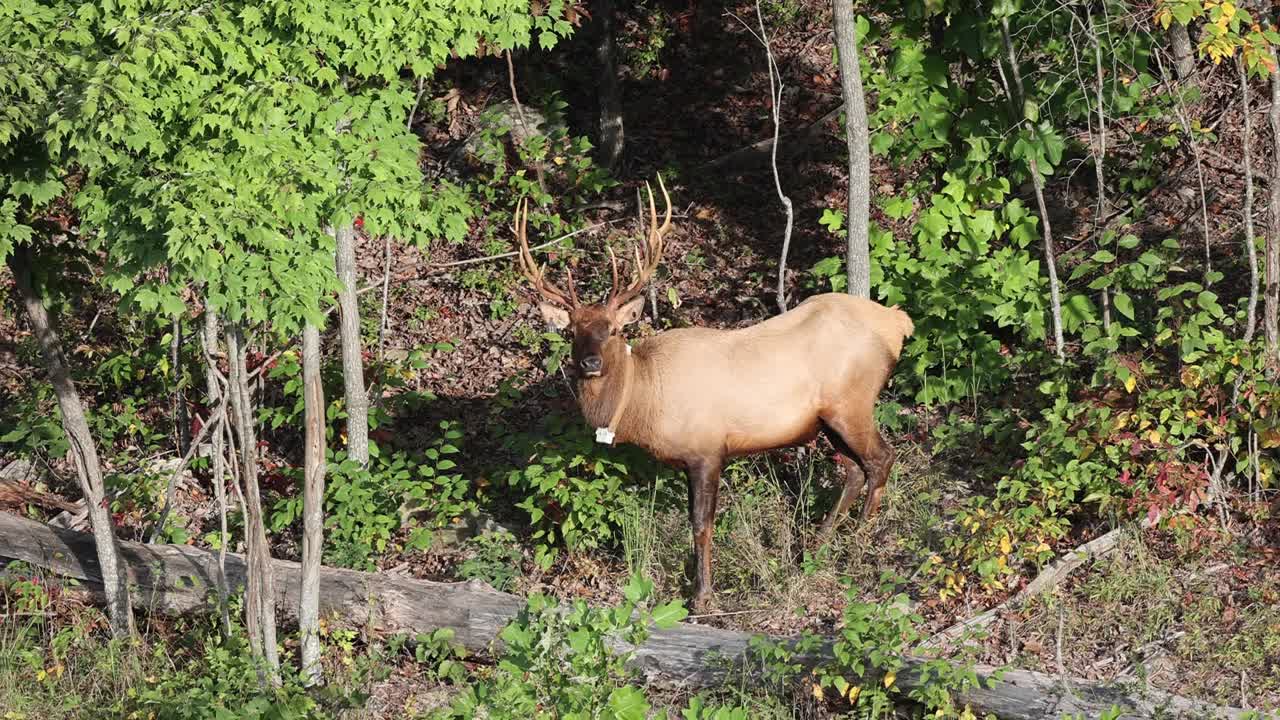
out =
column 179, row 579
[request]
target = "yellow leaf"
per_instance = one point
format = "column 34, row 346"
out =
column 1130, row 382
column 1228, row 10
column 1154, row 437
column 558, row 160
column 817, row 691
column 1235, row 359
column 1042, row 547
column 854, row 692
column 41, row 675
column 1192, row 414
column 1006, row 547
column 889, row 678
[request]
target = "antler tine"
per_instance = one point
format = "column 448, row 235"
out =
column 532, row 271
column 613, row 266
column 654, row 244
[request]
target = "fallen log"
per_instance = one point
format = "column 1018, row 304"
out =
column 181, row 579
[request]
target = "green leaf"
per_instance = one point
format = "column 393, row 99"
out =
column 628, row 703
column 1124, row 304
column 666, row 616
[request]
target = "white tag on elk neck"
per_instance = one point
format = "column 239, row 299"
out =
column 604, row 435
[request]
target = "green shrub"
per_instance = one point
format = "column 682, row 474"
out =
column 558, row 661
column 363, row 506
column 574, row 488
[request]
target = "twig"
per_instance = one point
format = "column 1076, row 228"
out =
column 408, row 125
column 515, row 100
column 1049, row 577
column 386, row 291
column 775, row 100
column 1195, row 155
column 500, row 256
column 182, row 466
column 1017, row 103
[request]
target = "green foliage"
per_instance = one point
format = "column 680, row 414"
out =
column 436, row 652
column 496, row 559
column 55, row 663
column 574, row 488
column 870, row 652
column 558, row 662
column 363, row 507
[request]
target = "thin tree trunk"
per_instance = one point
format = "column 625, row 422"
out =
column 1055, row 294
column 1099, row 158
column 312, row 505
column 218, row 479
column 1271, row 291
column 1251, row 249
column 1184, row 60
column 858, row 254
column 83, row 451
column 260, row 610
column 357, row 398
column 612, row 136
column 179, row 398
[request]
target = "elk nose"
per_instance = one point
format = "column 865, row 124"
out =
column 591, row 364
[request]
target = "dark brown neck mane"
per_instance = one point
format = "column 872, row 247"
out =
column 599, row 397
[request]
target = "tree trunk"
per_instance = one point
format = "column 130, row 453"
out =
column 612, row 137
column 83, row 451
column 312, row 505
column 259, row 602
column 218, row 475
column 1251, row 249
column 858, row 254
column 1018, row 96
column 1099, row 160
column 1184, row 59
column 1271, row 291
column 179, row 394
column 174, row 579
column 357, row 399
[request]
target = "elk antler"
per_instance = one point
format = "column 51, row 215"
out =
column 535, row 274
column 648, row 262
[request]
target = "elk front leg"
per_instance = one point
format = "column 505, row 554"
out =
column 704, row 487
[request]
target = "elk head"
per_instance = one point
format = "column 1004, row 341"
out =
column 596, row 327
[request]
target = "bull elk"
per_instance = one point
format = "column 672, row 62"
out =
column 695, row 397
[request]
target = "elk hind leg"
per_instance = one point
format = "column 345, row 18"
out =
column 854, row 482
column 873, row 454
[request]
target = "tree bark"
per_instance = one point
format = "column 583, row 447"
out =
column 312, row 505
column 83, row 451
column 259, row 603
column 612, row 136
column 1250, row 246
column 179, row 394
column 1271, row 290
column 1050, row 256
column 858, row 253
column 174, row 579
column 218, row 475
column 357, row 399
column 1099, row 160
column 1184, row 60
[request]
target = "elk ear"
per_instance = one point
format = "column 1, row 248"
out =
column 630, row 312
column 556, row 316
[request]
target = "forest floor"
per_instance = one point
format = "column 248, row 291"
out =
column 1194, row 609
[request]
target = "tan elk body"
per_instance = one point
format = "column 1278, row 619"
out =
column 696, row 397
